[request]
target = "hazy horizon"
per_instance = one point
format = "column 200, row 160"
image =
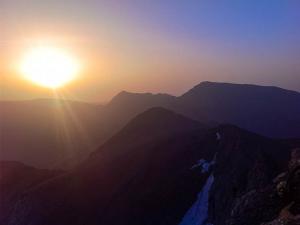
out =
column 52, row 96
column 165, row 46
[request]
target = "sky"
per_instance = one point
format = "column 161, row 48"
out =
column 158, row 46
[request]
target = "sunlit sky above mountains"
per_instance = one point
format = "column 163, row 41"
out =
column 153, row 46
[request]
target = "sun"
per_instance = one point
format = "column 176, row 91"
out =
column 49, row 67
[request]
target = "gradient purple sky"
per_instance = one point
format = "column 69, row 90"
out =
column 153, row 46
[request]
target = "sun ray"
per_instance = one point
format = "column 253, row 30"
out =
column 68, row 124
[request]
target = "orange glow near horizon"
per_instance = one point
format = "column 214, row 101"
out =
column 49, row 67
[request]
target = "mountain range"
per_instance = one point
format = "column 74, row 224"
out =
column 60, row 133
column 160, row 168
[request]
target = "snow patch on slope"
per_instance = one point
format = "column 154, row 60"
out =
column 218, row 136
column 198, row 213
column 205, row 165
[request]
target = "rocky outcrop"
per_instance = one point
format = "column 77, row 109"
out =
column 152, row 172
column 276, row 203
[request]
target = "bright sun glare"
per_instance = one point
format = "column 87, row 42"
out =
column 49, row 67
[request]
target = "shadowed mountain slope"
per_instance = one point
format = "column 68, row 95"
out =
column 270, row 111
column 133, row 179
column 50, row 134
column 15, row 180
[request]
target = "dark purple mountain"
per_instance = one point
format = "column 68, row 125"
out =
column 161, row 168
column 15, row 179
column 269, row 111
column 51, row 134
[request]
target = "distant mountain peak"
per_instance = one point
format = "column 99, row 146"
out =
column 233, row 87
column 157, row 117
column 154, row 123
column 127, row 99
column 158, row 110
column 125, row 94
column 205, row 84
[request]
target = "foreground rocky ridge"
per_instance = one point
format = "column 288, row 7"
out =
column 149, row 173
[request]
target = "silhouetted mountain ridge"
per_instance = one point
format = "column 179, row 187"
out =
column 210, row 84
column 68, row 131
column 157, row 181
column 152, row 125
column 125, row 96
column 161, row 120
column 270, row 111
